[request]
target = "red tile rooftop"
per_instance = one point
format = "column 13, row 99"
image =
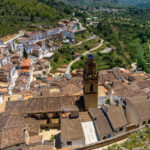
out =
column 7, row 67
column 26, row 62
column 24, row 70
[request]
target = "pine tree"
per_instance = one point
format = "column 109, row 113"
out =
column 25, row 55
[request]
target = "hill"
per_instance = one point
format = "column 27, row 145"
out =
column 16, row 15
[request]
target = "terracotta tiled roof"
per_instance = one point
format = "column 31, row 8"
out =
column 84, row 117
column 7, row 67
column 144, row 84
column 106, row 77
column 125, row 91
column 71, row 129
column 117, row 116
column 32, row 125
column 11, row 130
column 142, row 106
column 70, row 89
column 103, row 127
column 117, row 72
column 39, row 105
column 24, row 70
column 26, row 62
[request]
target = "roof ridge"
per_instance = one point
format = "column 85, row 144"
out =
column 8, row 120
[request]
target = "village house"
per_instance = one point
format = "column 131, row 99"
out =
column 17, row 130
column 8, row 74
column 35, row 36
column 118, row 123
column 72, row 133
column 45, row 65
column 68, row 34
column 88, row 127
column 20, row 48
column 37, row 52
column 16, row 60
column 29, row 48
column 73, row 26
column 22, row 82
column 5, row 88
column 26, row 64
column 3, row 60
column 24, row 41
column 44, row 108
column 12, row 45
column 39, row 49
column 102, row 125
column 41, row 67
column 137, row 110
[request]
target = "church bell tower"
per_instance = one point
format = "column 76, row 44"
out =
column 90, row 77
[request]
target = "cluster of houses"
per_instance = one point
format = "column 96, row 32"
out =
column 16, row 72
column 83, row 110
column 105, row 9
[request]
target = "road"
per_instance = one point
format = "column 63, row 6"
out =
column 80, row 26
column 85, row 53
column 17, row 36
column 90, row 38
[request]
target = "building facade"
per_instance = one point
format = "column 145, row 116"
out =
column 90, row 84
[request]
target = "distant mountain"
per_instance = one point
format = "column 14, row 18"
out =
column 144, row 3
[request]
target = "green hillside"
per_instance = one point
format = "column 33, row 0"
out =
column 21, row 14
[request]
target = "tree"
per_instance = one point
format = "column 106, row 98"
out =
column 56, row 58
column 108, row 101
column 86, row 47
column 82, row 57
column 25, row 55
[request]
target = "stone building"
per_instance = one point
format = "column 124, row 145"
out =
column 90, row 84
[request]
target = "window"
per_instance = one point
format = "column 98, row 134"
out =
column 91, row 88
column 69, row 143
column 144, row 122
column 148, row 121
column 120, row 129
column 109, row 136
column 104, row 137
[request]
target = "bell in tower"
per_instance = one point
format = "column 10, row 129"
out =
column 90, row 77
